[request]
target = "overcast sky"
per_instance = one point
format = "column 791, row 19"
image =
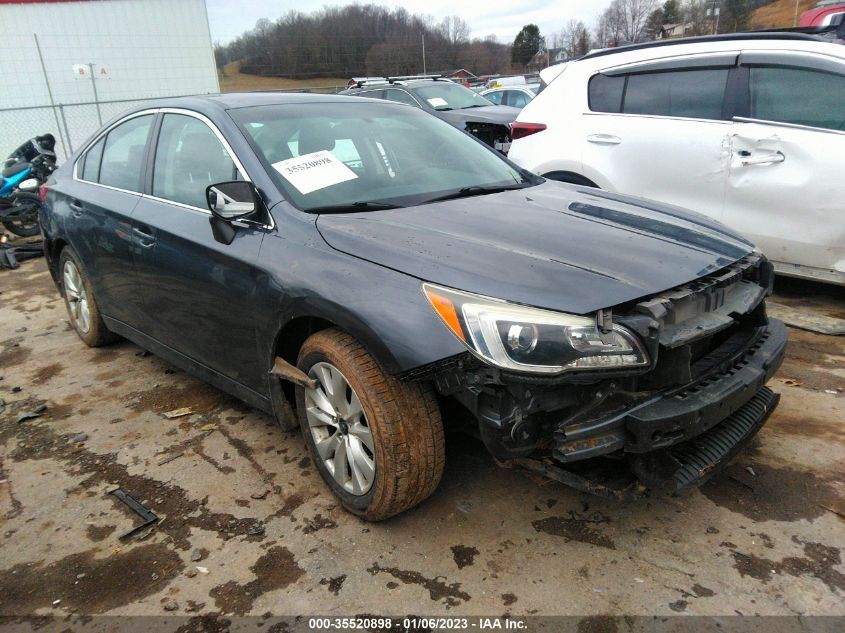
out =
column 503, row 18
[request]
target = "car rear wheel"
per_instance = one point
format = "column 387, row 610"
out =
column 79, row 299
column 377, row 442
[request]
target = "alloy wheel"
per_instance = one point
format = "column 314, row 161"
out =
column 77, row 297
column 339, row 429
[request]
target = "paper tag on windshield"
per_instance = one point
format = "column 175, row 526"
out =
column 437, row 102
column 315, row 171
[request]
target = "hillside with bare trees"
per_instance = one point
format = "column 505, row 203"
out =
column 361, row 40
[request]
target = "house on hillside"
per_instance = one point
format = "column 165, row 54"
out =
column 669, row 31
column 458, row 74
column 558, row 55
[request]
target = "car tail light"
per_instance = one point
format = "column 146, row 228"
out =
column 42, row 192
column 521, row 130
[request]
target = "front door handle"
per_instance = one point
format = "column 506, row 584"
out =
column 770, row 158
column 145, row 236
column 604, row 139
column 76, row 208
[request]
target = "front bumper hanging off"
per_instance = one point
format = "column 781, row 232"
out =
column 683, row 413
column 677, row 439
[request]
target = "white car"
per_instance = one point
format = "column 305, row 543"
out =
column 748, row 129
column 514, row 96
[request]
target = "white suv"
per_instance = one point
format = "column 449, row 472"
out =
column 748, row 129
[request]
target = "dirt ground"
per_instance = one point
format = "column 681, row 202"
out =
column 248, row 527
column 233, row 80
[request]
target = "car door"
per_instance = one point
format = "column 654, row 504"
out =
column 104, row 192
column 786, row 190
column 661, row 129
column 198, row 294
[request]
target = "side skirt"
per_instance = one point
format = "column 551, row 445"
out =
column 189, row 365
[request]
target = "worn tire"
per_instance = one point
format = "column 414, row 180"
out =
column 404, row 420
column 98, row 334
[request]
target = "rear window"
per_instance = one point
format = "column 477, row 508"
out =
column 123, row 155
column 606, row 93
column 91, row 165
column 696, row 94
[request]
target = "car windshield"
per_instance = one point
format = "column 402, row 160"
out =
column 444, row 95
column 362, row 156
column 535, row 88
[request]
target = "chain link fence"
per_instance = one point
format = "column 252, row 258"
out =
column 68, row 69
column 70, row 123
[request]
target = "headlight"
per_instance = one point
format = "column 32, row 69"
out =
column 531, row 340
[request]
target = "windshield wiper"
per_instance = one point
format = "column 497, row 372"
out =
column 354, row 207
column 477, row 190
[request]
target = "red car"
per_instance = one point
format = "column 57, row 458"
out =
column 825, row 13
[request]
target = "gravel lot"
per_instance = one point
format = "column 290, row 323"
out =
column 242, row 497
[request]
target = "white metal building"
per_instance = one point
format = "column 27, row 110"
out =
column 67, row 65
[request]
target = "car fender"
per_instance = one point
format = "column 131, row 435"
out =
column 325, row 285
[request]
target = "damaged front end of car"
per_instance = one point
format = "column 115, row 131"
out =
column 664, row 390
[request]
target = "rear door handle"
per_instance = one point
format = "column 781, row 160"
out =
column 770, row 158
column 76, row 208
column 145, row 236
column 604, row 139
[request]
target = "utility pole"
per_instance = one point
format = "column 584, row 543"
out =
column 423, row 44
column 795, row 18
column 715, row 15
column 96, row 96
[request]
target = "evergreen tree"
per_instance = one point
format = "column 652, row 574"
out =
column 526, row 44
column 671, row 12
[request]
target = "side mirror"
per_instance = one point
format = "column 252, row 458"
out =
column 232, row 200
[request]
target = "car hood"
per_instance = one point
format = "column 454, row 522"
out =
column 485, row 114
column 555, row 246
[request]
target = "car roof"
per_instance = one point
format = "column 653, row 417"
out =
column 680, row 41
column 715, row 43
column 233, row 100
column 398, row 83
column 522, row 87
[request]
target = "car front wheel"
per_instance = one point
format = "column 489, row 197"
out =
column 377, row 442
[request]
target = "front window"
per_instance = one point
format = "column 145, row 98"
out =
column 495, row 97
column 444, row 95
column 798, row 95
column 346, row 154
column 189, row 157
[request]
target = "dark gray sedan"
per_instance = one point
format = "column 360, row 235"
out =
column 370, row 266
